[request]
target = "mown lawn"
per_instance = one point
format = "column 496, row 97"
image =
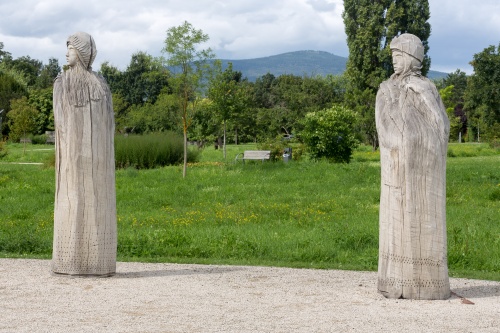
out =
column 297, row 214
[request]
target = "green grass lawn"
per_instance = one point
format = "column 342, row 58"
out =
column 296, row 214
column 19, row 153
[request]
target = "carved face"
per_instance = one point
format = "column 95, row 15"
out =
column 398, row 61
column 72, row 56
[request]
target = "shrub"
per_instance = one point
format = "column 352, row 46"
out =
column 40, row 139
column 151, row 150
column 330, row 133
column 277, row 147
column 21, row 119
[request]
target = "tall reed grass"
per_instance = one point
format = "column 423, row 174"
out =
column 151, row 150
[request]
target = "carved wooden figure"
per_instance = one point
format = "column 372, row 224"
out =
column 85, row 199
column 413, row 133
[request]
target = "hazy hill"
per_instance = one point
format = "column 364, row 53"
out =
column 300, row 63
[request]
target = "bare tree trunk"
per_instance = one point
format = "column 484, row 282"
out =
column 24, row 145
column 185, row 154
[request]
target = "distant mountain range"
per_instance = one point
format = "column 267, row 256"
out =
column 310, row 63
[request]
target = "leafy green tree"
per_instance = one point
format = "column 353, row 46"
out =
column 297, row 96
column 22, row 118
column 263, row 95
column 280, row 103
column 4, row 54
column 144, row 79
column 323, row 91
column 114, row 78
column 407, row 16
column 31, row 68
column 455, row 121
column 370, row 27
column 12, row 86
column 158, row 117
column 136, row 89
column 271, row 122
column 41, row 100
column 142, row 82
column 121, row 108
column 330, row 134
column 48, row 73
column 181, row 49
column 458, row 80
column 243, row 122
column 225, row 93
column 452, row 90
column 206, row 125
column 482, row 95
column 121, row 104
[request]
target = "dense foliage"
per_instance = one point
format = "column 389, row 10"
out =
column 330, row 133
column 452, row 90
column 482, row 94
column 370, row 26
column 227, row 96
column 189, row 93
column 29, row 78
column 21, row 118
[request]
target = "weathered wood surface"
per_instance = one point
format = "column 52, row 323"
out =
column 413, row 133
column 85, row 200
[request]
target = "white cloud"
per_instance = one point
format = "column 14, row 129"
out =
column 238, row 29
column 460, row 29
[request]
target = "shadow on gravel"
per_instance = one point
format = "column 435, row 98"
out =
column 478, row 291
column 175, row 272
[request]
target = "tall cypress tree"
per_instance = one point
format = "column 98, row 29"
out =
column 370, row 26
column 408, row 16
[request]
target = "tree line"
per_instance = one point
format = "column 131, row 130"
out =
column 188, row 91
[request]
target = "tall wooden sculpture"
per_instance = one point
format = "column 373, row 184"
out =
column 85, row 199
column 413, row 133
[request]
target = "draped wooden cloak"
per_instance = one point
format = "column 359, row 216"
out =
column 413, row 133
column 85, row 199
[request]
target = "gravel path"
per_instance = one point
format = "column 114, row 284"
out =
column 145, row 297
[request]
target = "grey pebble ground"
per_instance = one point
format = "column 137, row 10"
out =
column 144, row 297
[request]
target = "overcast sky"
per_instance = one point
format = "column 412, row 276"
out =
column 238, row 29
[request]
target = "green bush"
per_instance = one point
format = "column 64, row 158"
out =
column 151, row 150
column 277, row 147
column 330, row 134
column 38, row 139
column 21, row 119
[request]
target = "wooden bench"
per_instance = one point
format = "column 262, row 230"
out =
column 257, row 155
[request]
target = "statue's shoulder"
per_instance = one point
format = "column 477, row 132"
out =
column 58, row 77
column 102, row 81
column 419, row 79
column 58, row 82
column 99, row 76
column 385, row 85
column 420, row 84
